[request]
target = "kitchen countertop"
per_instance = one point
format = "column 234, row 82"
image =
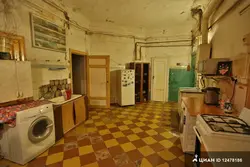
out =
column 60, row 100
column 196, row 106
column 191, row 90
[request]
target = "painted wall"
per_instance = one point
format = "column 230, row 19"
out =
column 76, row 39
column 174, row 55
column 226, row 36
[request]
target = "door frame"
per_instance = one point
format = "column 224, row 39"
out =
column 80, row 53
column 166, row 77
column 107, row 66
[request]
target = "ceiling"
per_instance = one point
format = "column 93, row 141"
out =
column 149, row 14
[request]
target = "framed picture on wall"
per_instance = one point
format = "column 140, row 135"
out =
column 47, row 35
column 224, row 68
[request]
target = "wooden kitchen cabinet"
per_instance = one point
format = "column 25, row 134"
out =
column 183, row 92
column 8, row 84
column 240, row 67
column 24, row 79
column 58, row 122
column 16, row 80
column 80, row 110
column 67, row 116
column 142, row 81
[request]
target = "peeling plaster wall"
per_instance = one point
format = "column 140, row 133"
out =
column 180, row 54
column 226, row 36
column 173, row 55
column 76, row 39
column 117, row 29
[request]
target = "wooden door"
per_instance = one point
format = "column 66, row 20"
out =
column 98, row 78
column 8, row 82
column 159, row 84
column 24, row 79
column 67, row 117
column 80, row 110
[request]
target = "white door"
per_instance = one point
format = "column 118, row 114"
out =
column 24, row 79
column 98, row 77
column 159, row 79
column 8, row 83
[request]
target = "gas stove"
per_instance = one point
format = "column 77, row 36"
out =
column 223, row 126
column 223, row 137
column 227, row 124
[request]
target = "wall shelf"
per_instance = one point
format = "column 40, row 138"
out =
column 50, row 65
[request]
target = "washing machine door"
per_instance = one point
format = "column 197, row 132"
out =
column 40, row 129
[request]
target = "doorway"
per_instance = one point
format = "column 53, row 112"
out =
column 78, row 72
column 159, row 79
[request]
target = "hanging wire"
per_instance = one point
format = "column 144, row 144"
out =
column 115, row 62
column 9, row 17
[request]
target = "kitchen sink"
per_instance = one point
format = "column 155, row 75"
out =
column 60, row 100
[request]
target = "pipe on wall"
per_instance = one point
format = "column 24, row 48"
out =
column 158, row 42
column 234, row 6
column 197, row 11
column 162, row 46
column 212, row 6
column 244, row 9
column 53, row 4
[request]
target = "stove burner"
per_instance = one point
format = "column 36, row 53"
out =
column 246, row 130
column 210, row 119
column 226, row 124
column 233, row 122
column 217, row 128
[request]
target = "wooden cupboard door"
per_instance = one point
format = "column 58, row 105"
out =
column 8, row 83
column 58, row 122
column 67, row 117
column 24, row 79
column 98, row 78
column 80, row 110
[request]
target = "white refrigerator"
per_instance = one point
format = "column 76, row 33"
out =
column 125, row 87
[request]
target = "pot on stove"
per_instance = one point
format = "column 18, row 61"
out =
column 211, row 95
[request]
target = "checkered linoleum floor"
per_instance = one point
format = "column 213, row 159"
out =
column 135, row 136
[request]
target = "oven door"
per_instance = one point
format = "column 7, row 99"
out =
column 200, row 151
column 197, row 134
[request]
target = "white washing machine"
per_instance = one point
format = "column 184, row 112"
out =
column 33, row 134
